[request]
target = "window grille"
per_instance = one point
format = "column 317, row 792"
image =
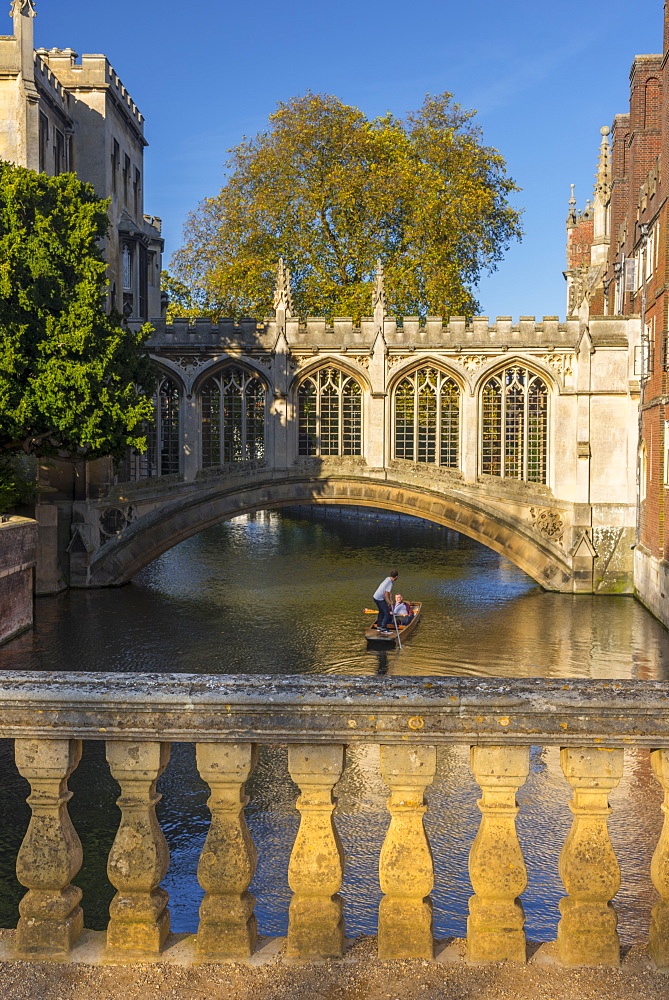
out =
column 127, row 267
column 329, row 405
column 514, row 425
column 427, row 418
column 233, row 417
column 162, row 455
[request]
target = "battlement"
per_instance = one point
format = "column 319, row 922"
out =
column 46, row 78
column 411, row 333
column 92, row 72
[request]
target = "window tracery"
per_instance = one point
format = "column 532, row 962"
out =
column 233, row 417
column 329, row 403
column 427, row 418
column 514, row 425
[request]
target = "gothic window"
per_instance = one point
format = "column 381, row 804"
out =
column 127, row 267
column 514, row 425
column 162, row 456
column 427, row 418
column 233, row 417
column 43, row 141
column 329, row 404
column 166, row 459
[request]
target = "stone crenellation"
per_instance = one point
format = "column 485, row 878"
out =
column 456, row 333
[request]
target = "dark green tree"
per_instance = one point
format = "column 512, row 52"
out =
column 331, row 191
column 73, row 379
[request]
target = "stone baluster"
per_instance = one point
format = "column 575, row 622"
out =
column 406, row 871
column 228, row 860
column 496, row 866
column 659, row 869
column 316, row 924
column 139, row 920
column 587, row 932
column 50, row 855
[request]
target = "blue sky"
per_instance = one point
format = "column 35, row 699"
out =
column 543, row 78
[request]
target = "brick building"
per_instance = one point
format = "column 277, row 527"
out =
column 626, row 272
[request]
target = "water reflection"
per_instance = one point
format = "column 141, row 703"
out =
column 280, row 595
column 274, row 594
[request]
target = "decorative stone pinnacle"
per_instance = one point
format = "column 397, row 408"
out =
column 379, row 294
column 283, row 298
column 603, row 175
column 26, row 7
column 571, row 215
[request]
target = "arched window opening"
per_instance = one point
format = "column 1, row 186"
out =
column 162, row 456
column 427, row 418
column 514, row 425
column 233, row 418
column 329, row 405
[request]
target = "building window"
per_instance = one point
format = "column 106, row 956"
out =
column 127, row 267
column 514, row 425
column 329, row 406
column 143, row 283
column 233, row 417
column 427, row 418
column 59, row 152
column 126, row 177
column 43, row 141
column 115, row 160
column 136, row 192
column 162, row 456
column 164, row 461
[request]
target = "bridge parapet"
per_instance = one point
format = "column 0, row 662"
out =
column 593, row 724
column 434, row 331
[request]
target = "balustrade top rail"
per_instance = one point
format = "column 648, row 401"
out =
column 330, row 708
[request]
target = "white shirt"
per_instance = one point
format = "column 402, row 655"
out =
column 380, row 592
column 401, row 609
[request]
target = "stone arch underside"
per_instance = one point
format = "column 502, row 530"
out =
column 177, row 519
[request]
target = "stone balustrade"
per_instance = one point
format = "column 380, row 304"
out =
column 318, row 717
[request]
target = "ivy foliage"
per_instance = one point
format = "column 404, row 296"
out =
column 331, row 191
column 73, row 379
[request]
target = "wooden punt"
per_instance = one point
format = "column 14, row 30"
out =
column 406, row 631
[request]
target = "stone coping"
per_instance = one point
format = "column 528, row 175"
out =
column 334, row 709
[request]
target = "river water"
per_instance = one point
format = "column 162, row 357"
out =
column 284, row 593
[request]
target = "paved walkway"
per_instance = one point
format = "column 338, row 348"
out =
column 361, row 977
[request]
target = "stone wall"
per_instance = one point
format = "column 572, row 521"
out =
column 18, row 552
column 651, row 582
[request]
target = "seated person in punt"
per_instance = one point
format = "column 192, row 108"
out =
column 402, row 611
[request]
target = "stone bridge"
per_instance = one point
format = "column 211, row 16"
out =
column 522, row 436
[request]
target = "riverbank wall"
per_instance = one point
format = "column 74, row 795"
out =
column 651, row 583
column 18, row 555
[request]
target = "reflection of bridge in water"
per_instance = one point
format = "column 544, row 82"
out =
column 522, row 437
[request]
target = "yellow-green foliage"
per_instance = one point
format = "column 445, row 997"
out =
column 330, row 192
column 72, row 378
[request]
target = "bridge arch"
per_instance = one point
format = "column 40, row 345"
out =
column 146, row 538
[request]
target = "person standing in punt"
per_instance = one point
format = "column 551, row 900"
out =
column 383, row 598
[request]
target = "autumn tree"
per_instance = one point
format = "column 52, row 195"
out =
column 73, row 379
column 331, row 191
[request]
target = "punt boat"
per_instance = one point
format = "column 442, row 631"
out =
column 374, row 639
